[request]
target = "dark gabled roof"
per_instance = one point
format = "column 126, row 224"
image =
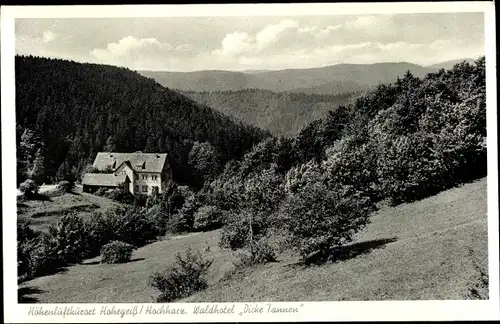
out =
column 152, row 162
column 103, row 179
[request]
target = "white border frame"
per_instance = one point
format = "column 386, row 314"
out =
column 308, row 311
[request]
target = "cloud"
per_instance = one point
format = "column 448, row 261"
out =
column 365, row 21
column 131, row 50
column 127, row 46
column 239, row 43
column 364, row 52
column 255, row 43
column 325, row 32
column 235, row 43
column 272, row 33
column 49, row 36
column 307, row 29
column 26, row 41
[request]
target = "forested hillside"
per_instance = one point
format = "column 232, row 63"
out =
column 281, row 113
column 401, row 142
column 66, row 112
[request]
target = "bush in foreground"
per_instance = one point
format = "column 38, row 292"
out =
column 70, row 238
column 116, row 252
column 25, row 238
column 207, row 218
column 66, row 186
column 29, row 188
column 258, row 252
column 316, row 217
column 100, row 192
column 184, row 278
column 120, row 195
column 39, row 257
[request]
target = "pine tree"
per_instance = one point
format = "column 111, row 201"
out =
column 37, row 170
column 110, row 144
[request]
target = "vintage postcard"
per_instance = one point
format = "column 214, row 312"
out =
column 257, row 162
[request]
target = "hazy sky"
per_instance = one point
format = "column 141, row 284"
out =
column 240, row 43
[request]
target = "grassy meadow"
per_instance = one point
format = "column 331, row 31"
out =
column 52, row 203
column 435, row 248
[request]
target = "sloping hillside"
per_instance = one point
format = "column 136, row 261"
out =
column 431, row 249
column 78, row 109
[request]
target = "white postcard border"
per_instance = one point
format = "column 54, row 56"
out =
column 307, row 311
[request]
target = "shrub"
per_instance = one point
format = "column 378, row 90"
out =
column 42, row 256
column 101, row 229
column 207, row 218
column 116, row 252
column 29, row 188
column 259, row 252
column 66, row 186
column 121, row 195
column 159, row 217
column 352, row 161
column 237, row 234
column 179, row 223
column 24, row 231
column 71, row 238
column 234, row 234
column 100, row 192
column 262, row 252
column 134, row 227
column 183, row 278
column 259, row 196
column 318, row 218
column 25, row 238
column 127, row 224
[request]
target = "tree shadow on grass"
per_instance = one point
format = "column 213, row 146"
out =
column 99, row 262
column 22, row 294
column 349, row 251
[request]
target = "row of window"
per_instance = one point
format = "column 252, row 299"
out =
column 145, row 177
column 144, row 188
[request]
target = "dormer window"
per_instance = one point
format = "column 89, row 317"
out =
column 141, row 165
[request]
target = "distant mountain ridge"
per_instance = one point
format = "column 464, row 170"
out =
column 449, row 64
column 334, row 79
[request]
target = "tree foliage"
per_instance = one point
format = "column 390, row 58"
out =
column 79, row 109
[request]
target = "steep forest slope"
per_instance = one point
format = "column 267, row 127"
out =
column 74, row 110
column 281, row 113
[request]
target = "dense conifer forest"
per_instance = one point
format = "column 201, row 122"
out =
column 281, row 113
column 66, row 112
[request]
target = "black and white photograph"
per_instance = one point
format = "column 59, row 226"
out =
column 246, row 164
